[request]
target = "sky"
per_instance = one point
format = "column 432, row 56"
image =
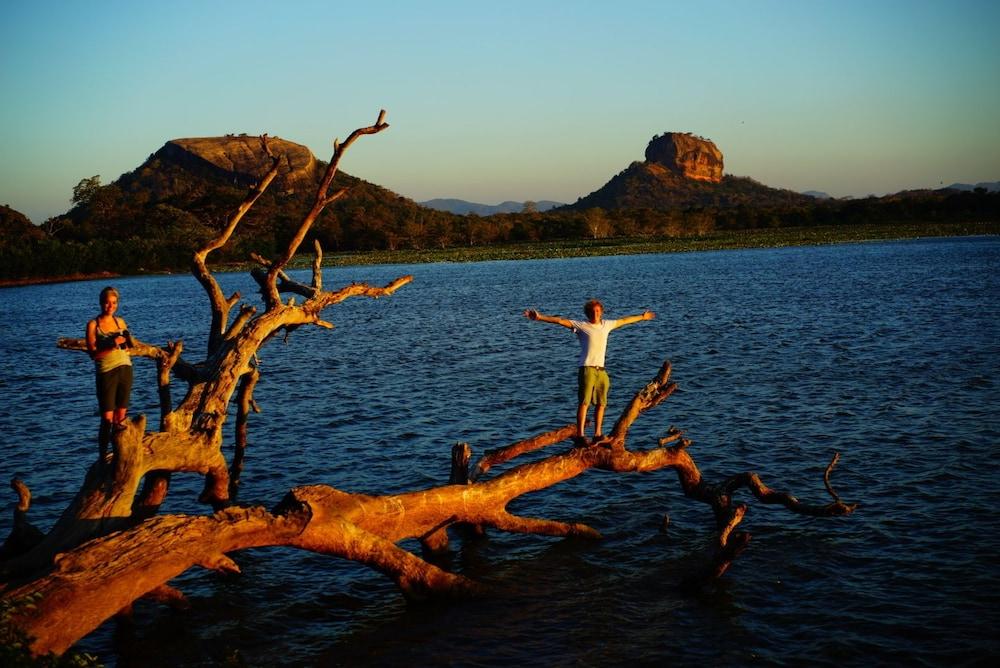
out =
column 514, row 100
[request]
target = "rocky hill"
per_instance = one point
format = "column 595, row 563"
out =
column 684, row 171
column 15, row 227
column 187, row 188
column 189, row 169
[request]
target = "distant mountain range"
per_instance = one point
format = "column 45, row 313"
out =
column 989, row 186
column 462, row 207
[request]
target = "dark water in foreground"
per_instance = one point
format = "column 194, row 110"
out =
column 886, row 352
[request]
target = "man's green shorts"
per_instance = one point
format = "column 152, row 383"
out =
column 593, row 384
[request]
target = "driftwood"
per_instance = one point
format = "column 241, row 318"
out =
column 111, row 547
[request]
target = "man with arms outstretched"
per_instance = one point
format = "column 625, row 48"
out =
column 592, row 378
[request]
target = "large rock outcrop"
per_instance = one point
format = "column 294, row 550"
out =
column 684, row 171
column 688, row 155
column 239, row 158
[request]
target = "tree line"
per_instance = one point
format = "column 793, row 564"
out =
column 114, row 230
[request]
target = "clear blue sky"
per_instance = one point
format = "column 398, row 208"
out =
column 490, row 101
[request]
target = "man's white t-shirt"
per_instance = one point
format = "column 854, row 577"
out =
column 593, row 339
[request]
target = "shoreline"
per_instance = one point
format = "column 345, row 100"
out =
column 720, row 240
column 42, row 280
column 547, row 250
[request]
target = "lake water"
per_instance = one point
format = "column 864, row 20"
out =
column 888, row 353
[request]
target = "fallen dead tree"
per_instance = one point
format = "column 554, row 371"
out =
column 110, row 547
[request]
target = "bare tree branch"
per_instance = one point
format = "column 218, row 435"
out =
column 491, row 458
column 271, row 292
column 317, row 266
column 23, row 535
column 220, row 306
column 244, row 404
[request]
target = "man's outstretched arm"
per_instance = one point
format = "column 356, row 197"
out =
column 532, row 314
column 628, row 320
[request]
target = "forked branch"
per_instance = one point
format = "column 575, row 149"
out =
column 220, row 305
column 322, row 199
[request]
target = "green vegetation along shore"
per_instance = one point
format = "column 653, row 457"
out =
column 722, row 240
column 726, row 240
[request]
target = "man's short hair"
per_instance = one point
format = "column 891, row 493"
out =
column 588, row 308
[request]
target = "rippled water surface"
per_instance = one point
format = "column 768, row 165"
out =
column 886, row 352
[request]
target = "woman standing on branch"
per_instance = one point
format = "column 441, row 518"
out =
column 108, row 340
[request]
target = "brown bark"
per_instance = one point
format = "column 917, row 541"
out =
column 23, row 535
column 244, row 405
column 92, row 583
column 109, row 547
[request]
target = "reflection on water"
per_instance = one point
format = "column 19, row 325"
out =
column 885, row 352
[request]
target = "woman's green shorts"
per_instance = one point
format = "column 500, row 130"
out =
column 593, row 384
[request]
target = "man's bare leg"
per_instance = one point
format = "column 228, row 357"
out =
column 581, row 419
column 599, row 420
